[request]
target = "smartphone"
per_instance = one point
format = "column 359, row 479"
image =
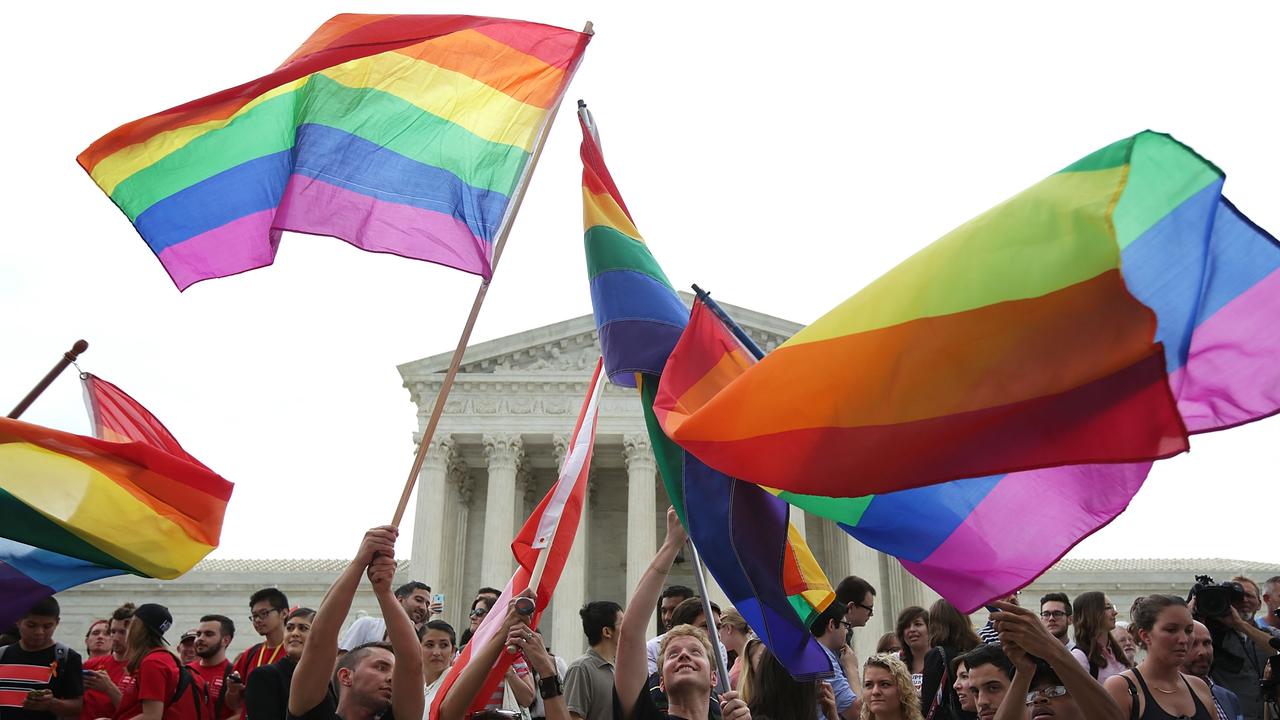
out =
column 438, row 601
column 86, row 672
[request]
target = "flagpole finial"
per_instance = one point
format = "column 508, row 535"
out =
column 582, row 104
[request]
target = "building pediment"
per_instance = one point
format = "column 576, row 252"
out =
column 567, row 348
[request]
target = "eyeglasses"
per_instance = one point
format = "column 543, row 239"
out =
column 1053, row 614
column 870, row 610
column 1046, row 694
column 847, row 625
column 479, row 613
column 262, row 614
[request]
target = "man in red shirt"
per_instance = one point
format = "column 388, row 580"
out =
column 223, row 686
column 162, row 687
column 106, row 677
column 267, row 610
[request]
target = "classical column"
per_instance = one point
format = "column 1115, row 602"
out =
column 503, row 453
column 567, row 639
column 868, row 564
column 453, row 543
column 427, row 553
column 797, row 519
column 641, row 506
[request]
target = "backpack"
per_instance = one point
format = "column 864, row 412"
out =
column 188, row 681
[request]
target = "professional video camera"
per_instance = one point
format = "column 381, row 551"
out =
column 1215, row 600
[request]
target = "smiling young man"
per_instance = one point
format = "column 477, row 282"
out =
column 40, row 678
column 685, row 661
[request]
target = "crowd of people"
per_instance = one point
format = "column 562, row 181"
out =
column 1070, row 660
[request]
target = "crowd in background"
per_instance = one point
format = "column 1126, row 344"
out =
column 1208, row 656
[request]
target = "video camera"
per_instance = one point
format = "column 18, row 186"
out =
column 1215, row 600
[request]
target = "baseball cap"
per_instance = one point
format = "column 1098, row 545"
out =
column 155, row 617
column 188, row 635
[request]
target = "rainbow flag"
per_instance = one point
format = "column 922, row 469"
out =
column 743, row 535
column 117, row 417
column 77, row 509
column 404, row 134
column 1210, row 277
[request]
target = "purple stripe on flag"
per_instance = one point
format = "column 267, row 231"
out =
column 240, row 245
column 319, row 208
column 18, row 593
column 1231, row 373
column 1025, row 524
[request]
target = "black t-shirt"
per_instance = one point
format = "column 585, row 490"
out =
column 266, row 696
column 327, row 709
column 646, row 706
column 50, row 669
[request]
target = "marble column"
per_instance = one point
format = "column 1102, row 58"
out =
column 642, row 503
column 868, row 564
column 566, row 638
column 453, row 544
column 503, row 452
column 797, row 519
column 427, row 552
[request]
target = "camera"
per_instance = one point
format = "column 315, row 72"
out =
column 1215, row 600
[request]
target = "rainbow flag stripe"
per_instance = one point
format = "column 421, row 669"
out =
column 1020, row 340
column 404, row 134
column 119, row 507
column 638, row 315
column 1211, row 277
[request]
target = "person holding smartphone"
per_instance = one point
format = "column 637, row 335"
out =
column 48, row 671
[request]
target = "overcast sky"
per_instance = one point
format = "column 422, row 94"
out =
column 781, row 159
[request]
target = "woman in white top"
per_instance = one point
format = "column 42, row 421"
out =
column 1093, row 619
column 439, row 645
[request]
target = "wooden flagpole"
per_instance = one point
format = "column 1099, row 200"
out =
column 516, row 199
column 68, row 357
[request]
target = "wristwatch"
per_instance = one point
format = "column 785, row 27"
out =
column 551, row 687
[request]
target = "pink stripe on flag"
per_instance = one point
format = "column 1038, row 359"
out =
column 243, row 244
column 1023, row 526
column 1231, row 375
column 320, row 208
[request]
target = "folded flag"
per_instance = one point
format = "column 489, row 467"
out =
column 544, row 541
column 1209, row 275
column 78, row 509
column 404, row 134
column 743, row 535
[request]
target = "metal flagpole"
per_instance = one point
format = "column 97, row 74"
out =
column 514, row 207
column 736, row 329
column 713, row 632
column 67, row 358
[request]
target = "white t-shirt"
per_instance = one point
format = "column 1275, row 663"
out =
column 363, row 630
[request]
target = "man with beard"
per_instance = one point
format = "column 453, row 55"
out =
column 224, row 688
column 414, row 597
column 1198, row 661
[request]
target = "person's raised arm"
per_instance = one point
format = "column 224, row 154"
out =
column 1022, row 628
column 311, row 677
column 631, row 668
column 406, row 677
column 1024, row 669
column 455, row 702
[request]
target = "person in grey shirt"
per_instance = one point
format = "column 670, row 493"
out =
column 588, row 686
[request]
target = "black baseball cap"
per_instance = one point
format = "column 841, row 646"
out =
column 155, row 617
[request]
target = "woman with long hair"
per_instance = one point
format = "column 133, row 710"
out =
column 97, row 642
column 439, row 645
column 950, row 636
column 887, row 692
column 267, row 692
column 775, row 695
column 734, row 633
column 155, row 671
column 913, row 634
column 752, row 653
column 1092, row 620
column 1164, row 628
column 965, row 693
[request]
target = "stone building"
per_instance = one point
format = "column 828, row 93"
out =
column 495, row 454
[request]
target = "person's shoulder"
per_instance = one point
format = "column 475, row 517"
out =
column 326, row 709
column 1197, row 684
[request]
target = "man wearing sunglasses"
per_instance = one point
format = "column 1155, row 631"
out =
column 1046, row 676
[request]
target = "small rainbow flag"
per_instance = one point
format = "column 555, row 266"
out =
column 743, row 534
column 77, row 509
column 404, row 134
column 1210, row 277
column 1048, row 331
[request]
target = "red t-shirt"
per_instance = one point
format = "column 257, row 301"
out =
column 213, row 676
column 255, row 657
column 98, row 704
column 157, row 679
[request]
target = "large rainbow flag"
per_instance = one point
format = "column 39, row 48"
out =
column 1210, row 279
column 78, row 508
column 743, row 534
column 404, row 134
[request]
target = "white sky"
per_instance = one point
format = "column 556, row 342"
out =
column 781, row 160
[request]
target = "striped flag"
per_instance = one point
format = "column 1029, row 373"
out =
column 544, row 540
